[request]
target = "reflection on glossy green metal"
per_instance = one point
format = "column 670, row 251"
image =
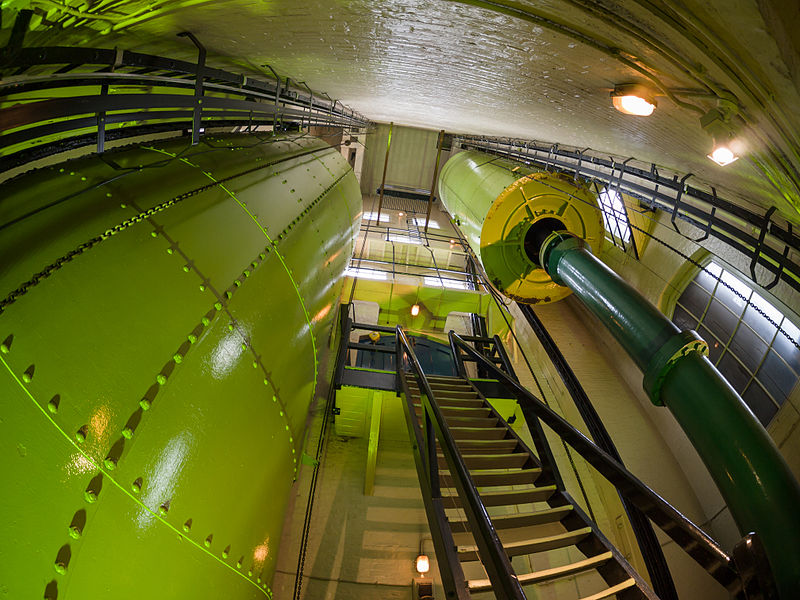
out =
column 757, row 484
column 155, row 385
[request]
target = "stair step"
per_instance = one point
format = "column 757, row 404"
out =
column 477, row 433
column 511, row 498
column 490, row 461
column 550, row 542
column 541, row 517
column 460, row 411
column 454, row 394
column 620, row 587
column 485, row 585
column 484, row 480
column 444, row 379
column 465, row 402
column 459, row 386
column 505, row 446
column 486, row 422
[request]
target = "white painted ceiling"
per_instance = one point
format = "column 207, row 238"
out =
column 530, row 69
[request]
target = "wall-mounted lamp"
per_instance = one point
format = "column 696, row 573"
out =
column 634, row 99
column 415, row 310
column 717, row 123
column 423, row 564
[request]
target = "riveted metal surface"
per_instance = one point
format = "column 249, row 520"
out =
column 160, row 378
column 497, row 201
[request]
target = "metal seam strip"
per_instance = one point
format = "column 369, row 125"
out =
column 277, row 253
column 121, row 487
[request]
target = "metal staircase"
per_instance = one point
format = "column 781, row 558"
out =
column 528, row 511
column 501, row 519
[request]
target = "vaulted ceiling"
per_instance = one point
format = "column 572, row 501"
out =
column 537, row 69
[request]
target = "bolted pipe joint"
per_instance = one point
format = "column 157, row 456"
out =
column 666, row 357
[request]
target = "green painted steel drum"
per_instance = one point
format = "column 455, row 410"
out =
column 497, row 202
column 164, row 309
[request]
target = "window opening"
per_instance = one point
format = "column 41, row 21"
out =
column 420, row 222
column 372, row 216
column 364, row 273
column 615, row 218
column 752, row 343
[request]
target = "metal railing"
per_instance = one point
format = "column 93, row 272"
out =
column 741, row 577
column 424, row 439
column 762, row 238
column 102, row 94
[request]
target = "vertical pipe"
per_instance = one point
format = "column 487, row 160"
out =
column 383, row 179
column 439, row 141
column 760, row 490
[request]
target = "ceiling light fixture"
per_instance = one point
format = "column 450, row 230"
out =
column 717, row 122
column 415, row 310
column 634, row 99
column 723, row 155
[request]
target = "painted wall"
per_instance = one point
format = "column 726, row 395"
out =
column 156, row 378
column 412, row 157
column 661, row 275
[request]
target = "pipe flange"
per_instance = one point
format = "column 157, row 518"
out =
column 675, row 348
column 549, row 259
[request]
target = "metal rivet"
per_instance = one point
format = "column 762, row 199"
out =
column 27, row 376
column 5, row 347
column 136, row 486
column 52, row 406
column 80, row 435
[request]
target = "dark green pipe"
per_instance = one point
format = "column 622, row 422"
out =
column 760, row 490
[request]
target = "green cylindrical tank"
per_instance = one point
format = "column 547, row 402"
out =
column 495, row 203
column 164, row 309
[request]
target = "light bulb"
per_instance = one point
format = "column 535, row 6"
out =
column 633, row 105
column 415, row 310
column 722, row 155
column 423, row 564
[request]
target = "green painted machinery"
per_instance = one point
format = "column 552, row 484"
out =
column 164, row 309
column 534, row 233
column 496, row 202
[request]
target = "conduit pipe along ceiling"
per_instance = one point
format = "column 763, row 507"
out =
column 524, row 69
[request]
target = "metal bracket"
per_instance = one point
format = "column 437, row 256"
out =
column 580, row 160
column 101, row 122
column 760, row 244
column 681, row 189
column 198, row 86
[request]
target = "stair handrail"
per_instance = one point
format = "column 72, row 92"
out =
column 689, row 536
column 492, row 554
